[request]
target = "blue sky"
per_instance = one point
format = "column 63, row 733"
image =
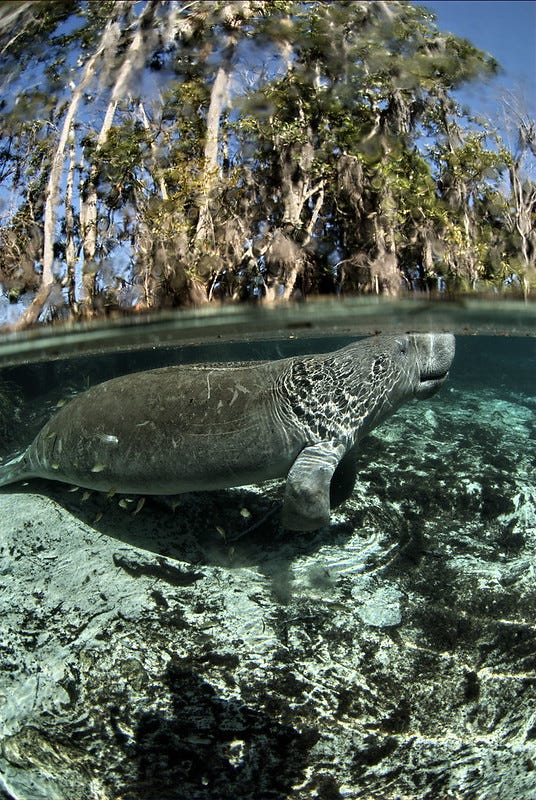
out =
column 507, row 30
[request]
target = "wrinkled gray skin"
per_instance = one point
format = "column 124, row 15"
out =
column 192, row 428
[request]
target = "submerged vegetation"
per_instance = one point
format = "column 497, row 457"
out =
column 160, row 154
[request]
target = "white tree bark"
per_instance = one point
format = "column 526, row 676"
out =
column 521, row 221
column 132, row 61
column 70, row 250
column 218, row 96
column 239, row 12
column 158, row 175
column 31, row 314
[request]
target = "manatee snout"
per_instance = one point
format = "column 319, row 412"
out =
column 435, row 353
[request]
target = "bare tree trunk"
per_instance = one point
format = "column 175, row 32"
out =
column 31, row 314
column 522, row 221
column 146, row 240
column 218, row 99
column 88, row 216
column 384, row 273
column 284, row 254
column 88, row 207
column 299, row 264
column 70, row 250
column 15, row 16
column 205, row 228
column 295, row 161
column 158, row 175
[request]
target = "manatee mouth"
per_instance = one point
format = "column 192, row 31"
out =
column 430, row 382
column 434, row 375
column 434, row 355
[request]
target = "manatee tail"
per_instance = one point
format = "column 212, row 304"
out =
column 14, row 470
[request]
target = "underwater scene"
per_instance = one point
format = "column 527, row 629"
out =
column 193, row 646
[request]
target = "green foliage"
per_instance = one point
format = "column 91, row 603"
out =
column 183, row 111
column 32, row 30
column 120, row 161
column 338, row 139
column 472, row 162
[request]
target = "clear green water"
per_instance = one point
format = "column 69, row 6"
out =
column 157, row 650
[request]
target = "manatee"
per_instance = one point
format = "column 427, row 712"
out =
column 212, row 426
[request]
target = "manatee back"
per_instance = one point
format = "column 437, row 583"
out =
column 168, row 430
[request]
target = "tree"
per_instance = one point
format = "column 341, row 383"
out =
column 367, row 80
column 521, row 217
column 161, row 153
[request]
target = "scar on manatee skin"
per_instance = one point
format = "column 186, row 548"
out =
column 238, row 389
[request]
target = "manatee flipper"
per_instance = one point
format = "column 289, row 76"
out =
column 306, row 505
column 344, row 477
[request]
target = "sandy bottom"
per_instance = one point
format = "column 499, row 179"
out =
column 150, row 652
